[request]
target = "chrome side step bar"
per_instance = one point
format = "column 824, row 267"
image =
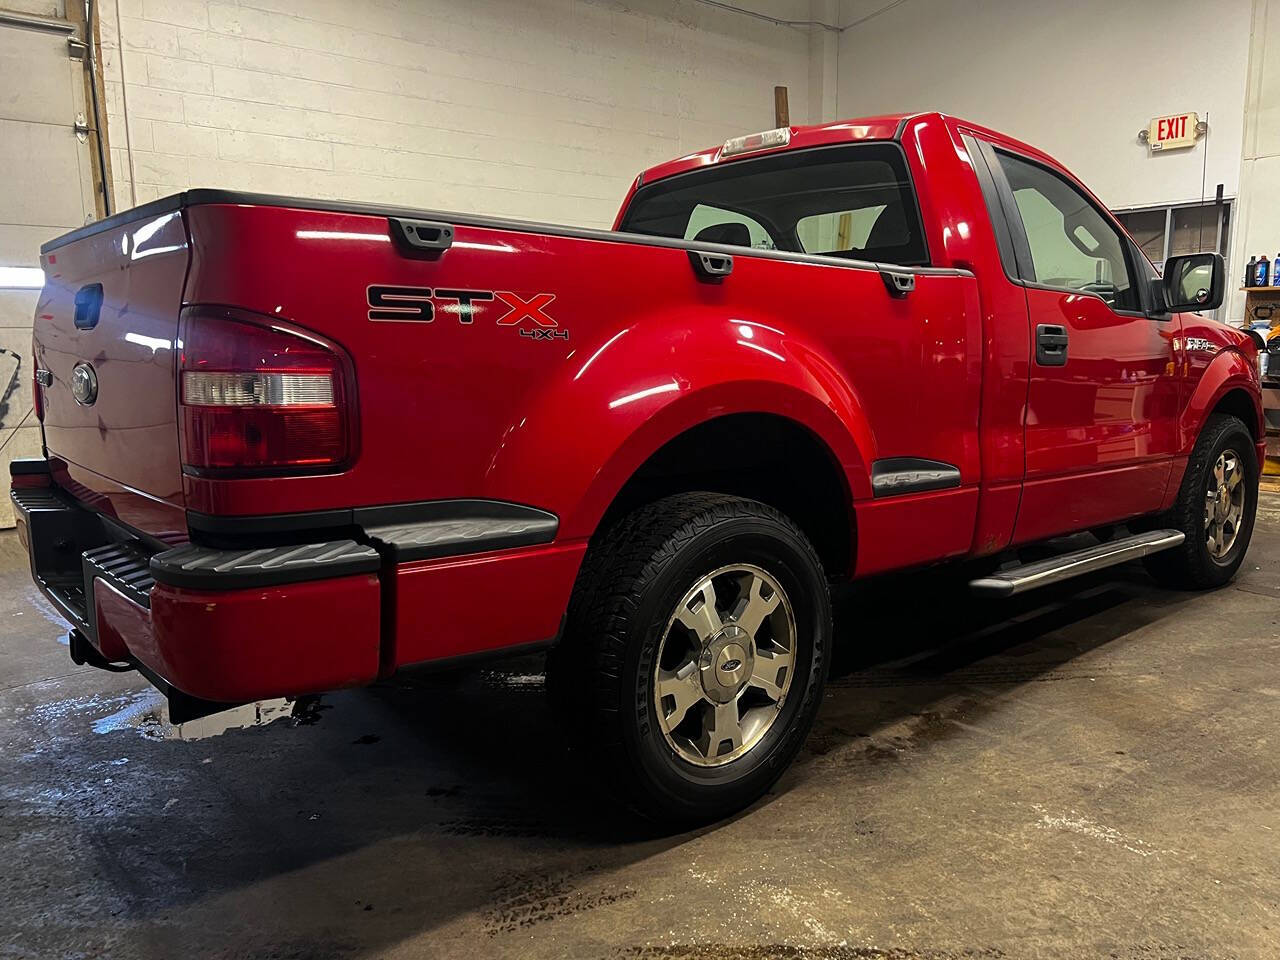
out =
column 1028, row 576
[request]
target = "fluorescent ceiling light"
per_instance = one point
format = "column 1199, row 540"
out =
column 21, row 278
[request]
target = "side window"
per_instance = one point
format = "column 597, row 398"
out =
column 1072, row 245
column 844, row 230
column 714, row 225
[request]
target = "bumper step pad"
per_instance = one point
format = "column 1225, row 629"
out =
column 200, row 568
column 125, row 566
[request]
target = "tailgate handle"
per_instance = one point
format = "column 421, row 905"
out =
column 430, row 236
column 712, row 267
column 88, row 306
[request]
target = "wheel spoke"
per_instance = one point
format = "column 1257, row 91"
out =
column 753, row 608
column 705, row 664
column 703, row 619
column 1233, row 480
column 769, row 672
column 722, row 725
column 683, row 688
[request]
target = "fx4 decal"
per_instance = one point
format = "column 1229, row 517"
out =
column 395, row 304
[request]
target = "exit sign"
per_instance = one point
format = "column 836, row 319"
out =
column 1173, row 133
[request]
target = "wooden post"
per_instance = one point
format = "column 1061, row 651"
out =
column 781, row 111
column 102, row 179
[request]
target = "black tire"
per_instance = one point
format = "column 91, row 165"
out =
column 1192, row 566
column 602, row 674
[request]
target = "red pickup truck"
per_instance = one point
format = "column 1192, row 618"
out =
column 295, row 445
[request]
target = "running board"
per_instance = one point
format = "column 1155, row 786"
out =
column 1028, row 576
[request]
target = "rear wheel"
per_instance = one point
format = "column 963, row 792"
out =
column 1216, row 506
column 695, row 653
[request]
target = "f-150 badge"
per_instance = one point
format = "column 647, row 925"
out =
column 1200, row 343
column 528, row 313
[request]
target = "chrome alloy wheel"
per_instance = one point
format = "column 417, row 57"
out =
column 1224, row 505
column 725, row 664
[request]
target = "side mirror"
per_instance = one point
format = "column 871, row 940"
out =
column 1194, row 282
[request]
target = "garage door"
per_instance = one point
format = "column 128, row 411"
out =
column 46, row 188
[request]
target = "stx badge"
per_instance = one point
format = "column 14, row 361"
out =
column 393, row 304
column 1199, row 343
column 521, row 310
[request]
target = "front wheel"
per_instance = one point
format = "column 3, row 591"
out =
column 695, row 652
column 1216, row 506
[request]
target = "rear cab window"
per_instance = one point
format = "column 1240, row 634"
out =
column 853, row 201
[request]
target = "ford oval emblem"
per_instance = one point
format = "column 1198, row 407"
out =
column 84, row 384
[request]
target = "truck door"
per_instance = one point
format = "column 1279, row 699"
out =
column 1103, row 399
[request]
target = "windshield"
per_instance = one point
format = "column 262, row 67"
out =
column 851, row 201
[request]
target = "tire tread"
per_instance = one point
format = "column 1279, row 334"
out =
column 585, row 671
column 1185, row 566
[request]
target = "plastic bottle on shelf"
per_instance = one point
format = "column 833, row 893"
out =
column 1251, row 271
column 1275, row 274
column 1263, row 276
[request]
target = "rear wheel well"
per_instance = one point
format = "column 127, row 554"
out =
column 1239, row 404
column 759, row 456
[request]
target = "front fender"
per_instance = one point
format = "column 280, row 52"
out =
column 1228, row 370
column 589, row 428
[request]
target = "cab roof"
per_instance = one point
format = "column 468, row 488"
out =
column 842, row 131
column 886, row 127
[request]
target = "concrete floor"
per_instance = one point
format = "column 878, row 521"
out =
column 1087, row 773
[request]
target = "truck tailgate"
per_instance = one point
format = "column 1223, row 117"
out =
column 108, row 318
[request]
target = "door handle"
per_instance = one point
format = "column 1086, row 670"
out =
column 1051, row 345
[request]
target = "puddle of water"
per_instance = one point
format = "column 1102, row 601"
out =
column 43, row 607
column 57, row 711
column 147, row 713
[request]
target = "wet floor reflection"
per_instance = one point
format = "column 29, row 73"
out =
column 147, row 713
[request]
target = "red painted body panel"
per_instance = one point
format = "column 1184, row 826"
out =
column 643, row 350
column 639, row 366
column 1208, row 376
column 237, row 645
column 445, row 608
column 122, row 449
column 937, row 526
column 954, row 210
column 161, row 518
column 1100, row 431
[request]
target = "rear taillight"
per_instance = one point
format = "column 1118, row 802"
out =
column 256, row 395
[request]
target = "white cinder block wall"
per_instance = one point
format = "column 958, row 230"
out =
column 544, row 109
column 1077, row 79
